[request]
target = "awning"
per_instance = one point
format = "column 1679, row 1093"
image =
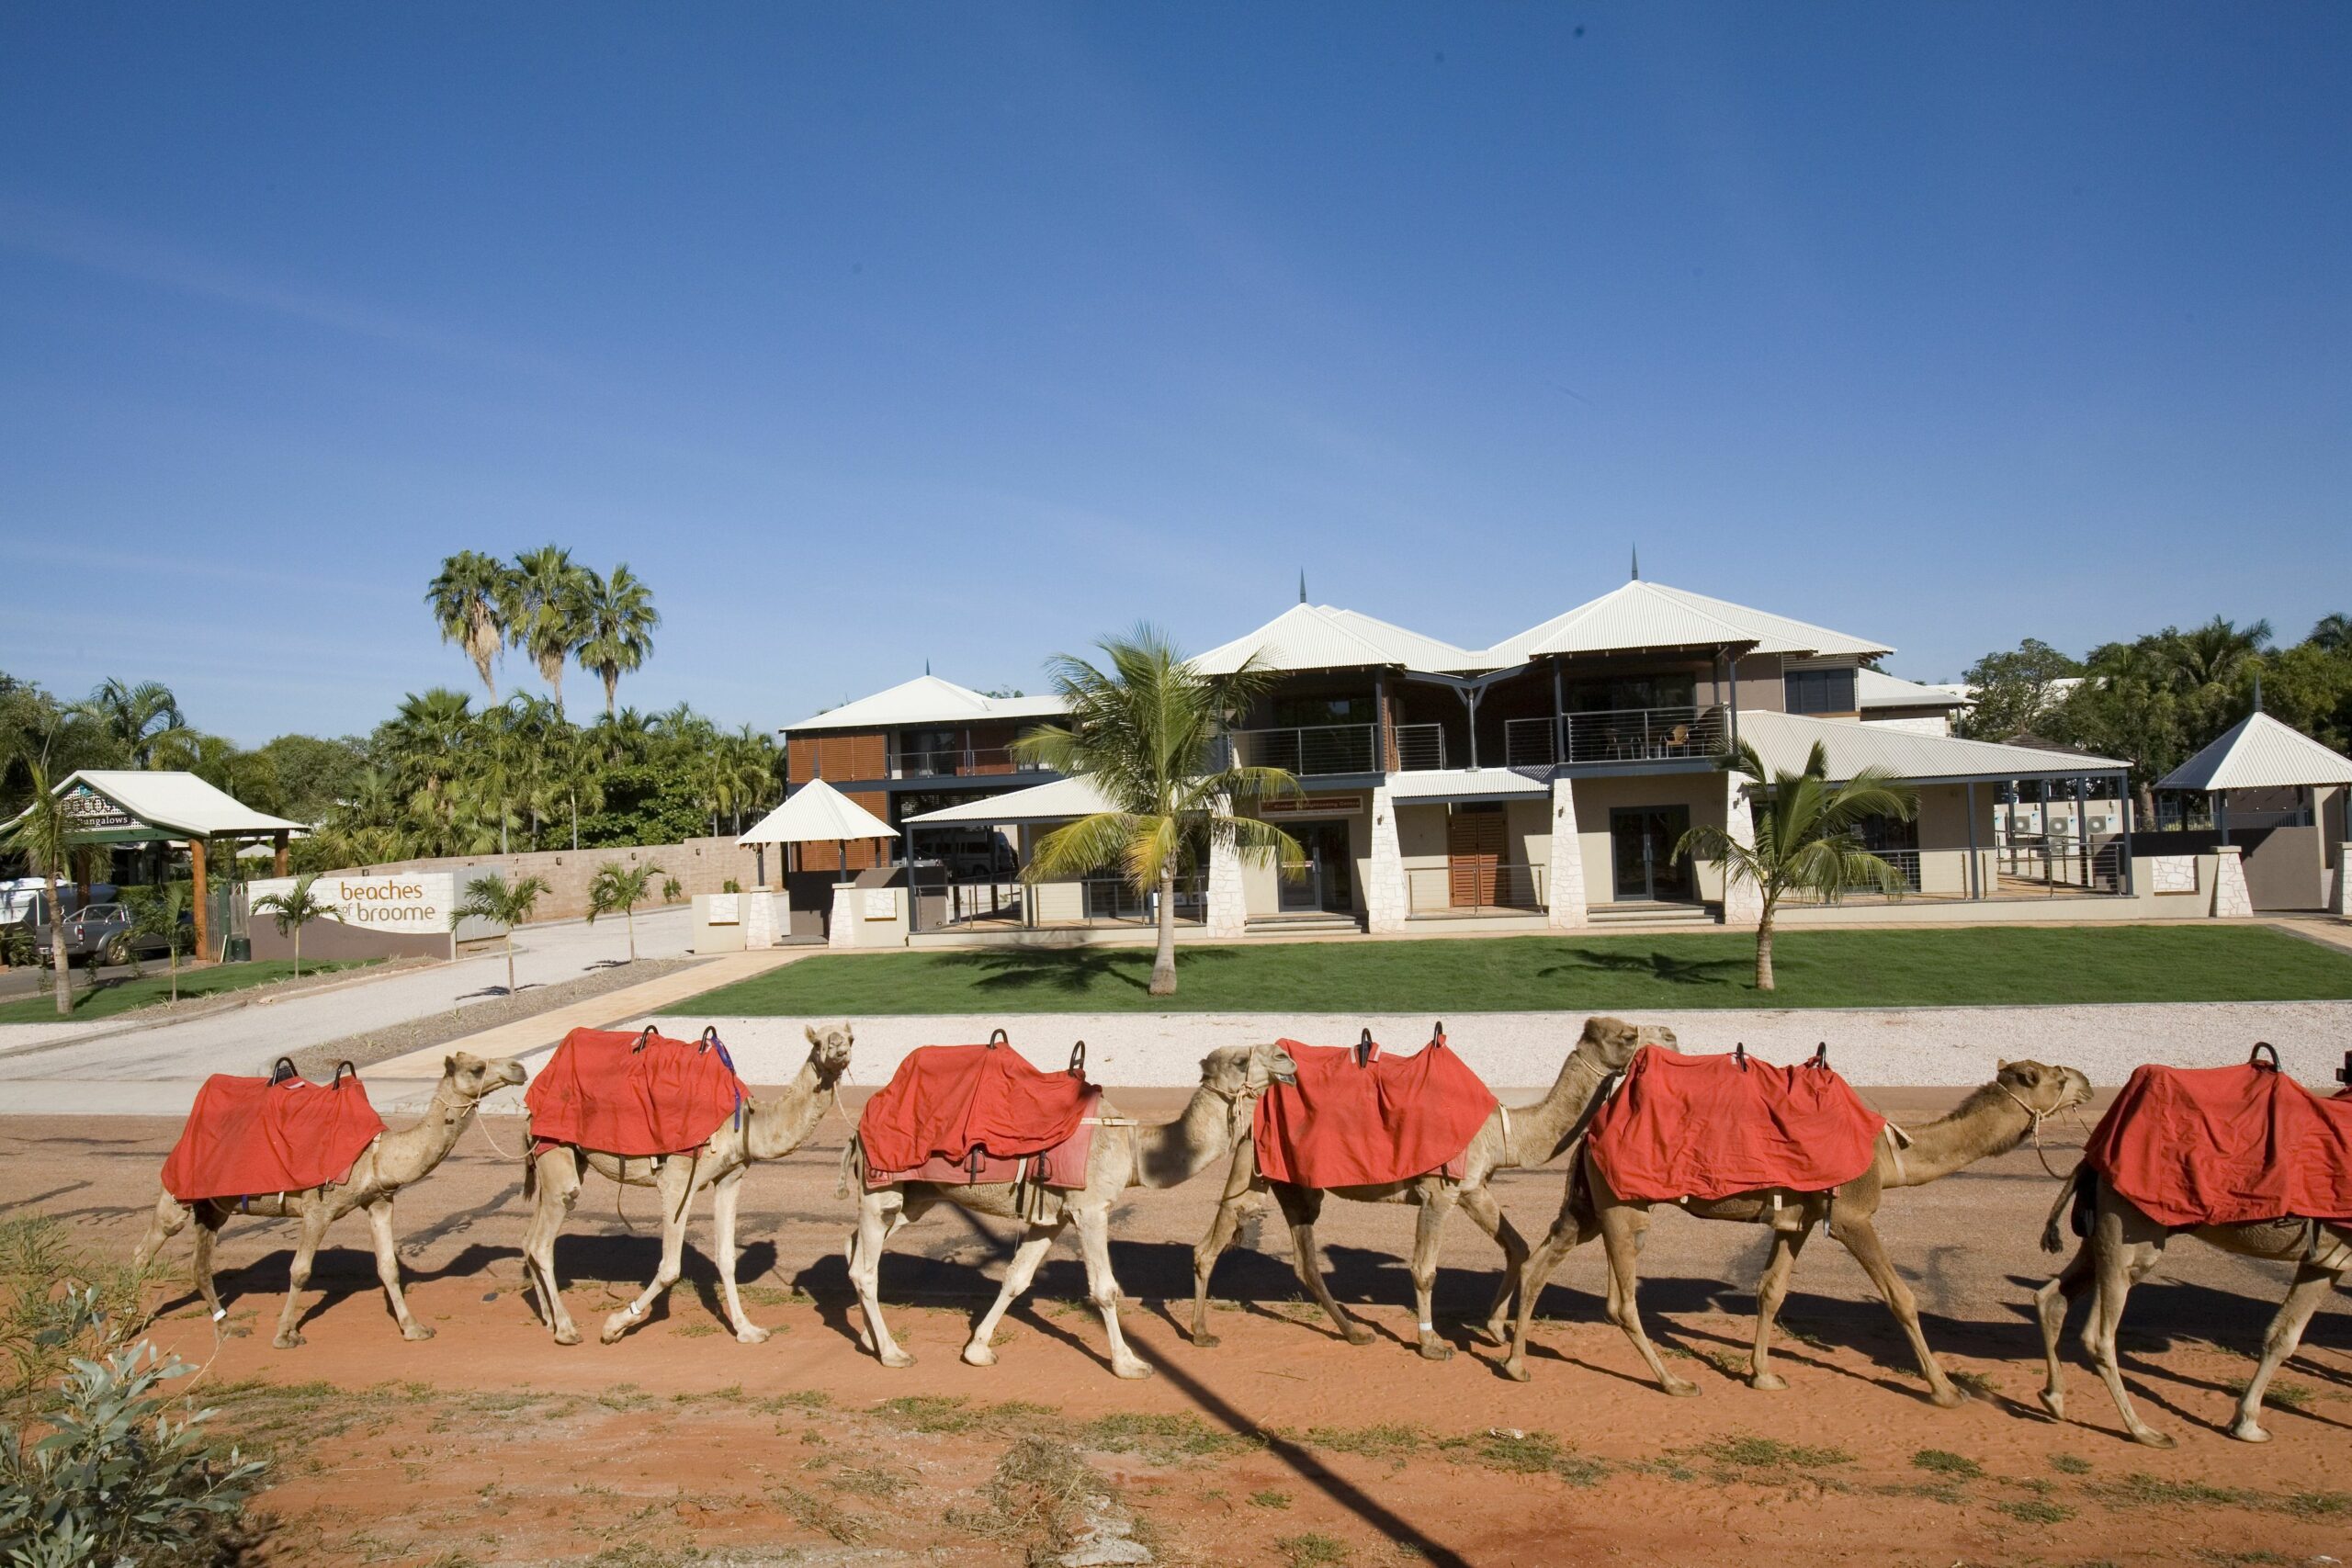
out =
column 1783, row 741
column 115, row 805
column 1063, row 800
column 817, row 813
column 2259, row 752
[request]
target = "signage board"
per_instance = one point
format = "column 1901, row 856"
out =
column 91, row 812
column 881, row 903
column 414, row 903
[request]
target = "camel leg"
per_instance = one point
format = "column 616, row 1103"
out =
column 728, row 1193
column 1017, row 1275
column 1103, row 1287
column 556, row 1181
column 1429, row 1233
column 387, row 1268
column 2049, row 1304
column 2122, row 1259
column 1770, row 1292
column 306, row 1246
column 673, row 1183
column 210, row 1218
column 1478, row 1203
column 1621, row 1231
column 1204, row 1256
column 875, row 1214
column 1300, row 1206
column 171, row 1218
column 2310, row 1287
column 1570, row 1230
column 1861, row 1237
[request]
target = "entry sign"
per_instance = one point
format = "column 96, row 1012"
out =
column 412, row 904
column 91, row 812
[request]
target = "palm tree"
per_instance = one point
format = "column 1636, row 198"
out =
column 474, row 602
column 574, row 774
column 490, row 897
column 1805, row 841
column 1146, row 733
column 2334, row 632
column 551, row 596
column 293, row 909
column 143, row 721
column 44, row 836
column 618, row 619
column 622, row 888
column 157, row 912
column 2214, row 653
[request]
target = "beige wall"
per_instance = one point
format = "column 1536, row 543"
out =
column 1703, row 793
column 703, row 865
column 1421, row 839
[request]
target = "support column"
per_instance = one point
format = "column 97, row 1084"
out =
column 1743, row 901
column 1226, row 913
column 842, row 929
column 759, row 920
column 202, row 910
column 278, row 861
column 2343, row 904
column 2231, row 901
column 1569, row 909
column 1386, row 900
column 1976, row 865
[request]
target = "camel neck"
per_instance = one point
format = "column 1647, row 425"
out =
column 404, row 1156
column 1537, row 1130
column 1177, row 1151
column 776, row 1126
column 1989, row 1122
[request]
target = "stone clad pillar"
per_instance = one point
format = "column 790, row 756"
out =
column 1568, row 908
column 1385, row 901
column 2231, row 901
column 842, row 929
column 1225, row 912
column 1743, row 901
column 759, row 920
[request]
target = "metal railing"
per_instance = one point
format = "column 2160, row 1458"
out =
column 1113, row 900
column 2059, row 864
column 1420, row 748
column 1907, row 866
column 1309, row 750
column 958, row 764
column 1616, row 735
column 941, row 902
column 1475, row 889
column 973, row 904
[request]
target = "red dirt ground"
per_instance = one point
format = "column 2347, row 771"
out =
column 1284, row 1445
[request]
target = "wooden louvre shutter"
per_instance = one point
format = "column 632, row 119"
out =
column 1474, row 853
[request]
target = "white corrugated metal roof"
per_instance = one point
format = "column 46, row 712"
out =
column 1320, row 637
column 181, row 803
column 1461, row 782
column 817, row 813
column 1060, row 801
column 1783, row 739
column 926, row 699
column 2259, row 752
column 1641, row 614
column 1877, row 689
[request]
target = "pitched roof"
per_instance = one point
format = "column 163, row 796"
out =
column 2259, row 752
column 174, row 802
column 817, row 813
column 1322, row 636
column 1641, row 614
column 1877, row 689
column 1059, row 801
column 926, row 699
column 1783, row 741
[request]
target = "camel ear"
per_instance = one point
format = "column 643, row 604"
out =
column 2001, row 1065
column 810, row 1030
column 449, row 1066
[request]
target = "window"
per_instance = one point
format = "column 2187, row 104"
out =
column 1819, row 691
column 1631, row 692
column 1294, row 712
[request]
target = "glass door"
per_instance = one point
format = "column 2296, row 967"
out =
column 1643, row 864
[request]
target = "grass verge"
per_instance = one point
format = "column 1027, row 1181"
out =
column 113, row 997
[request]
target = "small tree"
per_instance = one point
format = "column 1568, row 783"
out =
column 156, row 912
column 490, row 897
column 622, row 888
column 291, row 910
column 1805, row 841
column 673, row 890
column 44, row 836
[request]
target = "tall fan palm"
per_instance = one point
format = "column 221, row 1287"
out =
column 1146, row 733
column 2214, row 653
column 1805, row 838
column 143, row 721
column 492, row 897
column 474, row 602
column 2334, row 632
column 616, row 624
column 44, row 836
column 619, row 886
column 551, row 595
column 290, row 912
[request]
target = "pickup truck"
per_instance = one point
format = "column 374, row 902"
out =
column 100, row 933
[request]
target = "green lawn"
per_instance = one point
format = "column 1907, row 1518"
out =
column 1837, row 969
column 114, row 997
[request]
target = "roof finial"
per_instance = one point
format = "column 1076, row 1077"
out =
column 926, row 666
column 1302, row 585
column 1637, row 563
column 2257, row 691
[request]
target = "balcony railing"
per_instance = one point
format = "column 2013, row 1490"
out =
column 1616, row 735
column 1475, row 889
column 1420, row 748
column 1312, row 749
column 971, row 760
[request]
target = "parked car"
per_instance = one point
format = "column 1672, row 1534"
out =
column 100, row 934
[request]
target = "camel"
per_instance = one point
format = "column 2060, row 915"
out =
column 2124, row 1246
column 1125, row 1154
column 392, row 1161
column 770, row 1128
column 1992, row 1120
column 1511, row 1138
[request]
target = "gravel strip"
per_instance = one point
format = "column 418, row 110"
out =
column 439, row 1028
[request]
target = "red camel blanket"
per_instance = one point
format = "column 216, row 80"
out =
column 2225, row 1146
column 1711, row 1127
column 1358, row 1117
column 620, row 1093
column 248, row 1136
column 945, row 1102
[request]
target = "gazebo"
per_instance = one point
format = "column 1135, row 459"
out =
column 127, row 807
column 817, row 813
column 2282, row 786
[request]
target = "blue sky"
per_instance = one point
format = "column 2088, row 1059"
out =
column 873, row 334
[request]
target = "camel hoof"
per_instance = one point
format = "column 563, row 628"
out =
column 897, row 1359
column 1681, row 1389
column 2149, row 1437
column 1770, row 1382
column 614, row 1326
column 2249, row 1432
column 290, row 1340
column 1204, row 1339
column 567, row 1335
column 1515, row 1370
column 2054, row 1402
column 1436, row 1351
column 1357, row 1334
column 978, row 1355
column 1947, row 1398
column 1133, row 1371
column 752, row 1334
column 1496, row 1333
column 416, row 1331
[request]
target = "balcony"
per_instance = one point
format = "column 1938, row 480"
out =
column 1616, row 735
column 1310, row 750
column 967, row 762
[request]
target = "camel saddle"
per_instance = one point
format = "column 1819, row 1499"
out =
column 1706, row 1127
column 246, row 1137
column 2226, row 1145
column 1358, row 1117
column 633, row 1094
column 963, row 1115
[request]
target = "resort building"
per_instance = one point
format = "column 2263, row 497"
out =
column 1539, row 782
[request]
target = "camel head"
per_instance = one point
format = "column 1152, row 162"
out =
column 1614, row 1041
column 1240, row 1072
column 2043, row 1090
column 829, row 1050
column 470, row 1078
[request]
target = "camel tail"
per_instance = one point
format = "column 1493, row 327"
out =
column 852, row 1163
column 2053, row 1229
